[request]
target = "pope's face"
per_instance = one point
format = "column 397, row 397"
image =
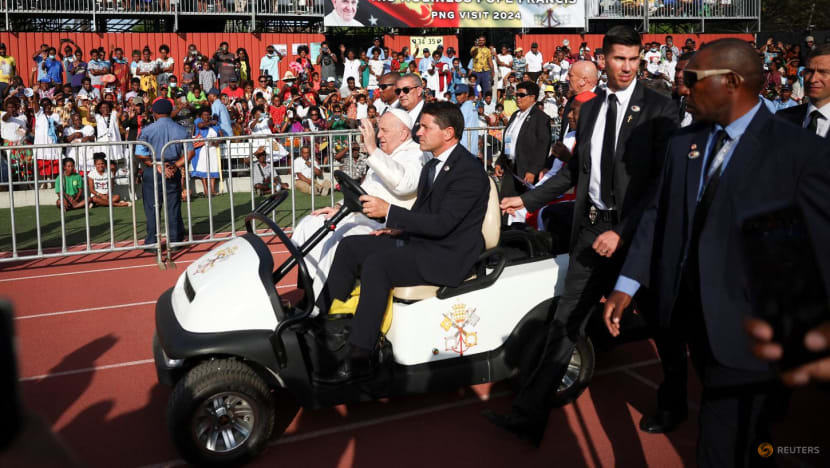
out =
column 346, row 9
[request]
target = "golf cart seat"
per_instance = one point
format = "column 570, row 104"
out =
column 490, row 229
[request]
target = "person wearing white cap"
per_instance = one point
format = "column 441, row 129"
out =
column 394, row 170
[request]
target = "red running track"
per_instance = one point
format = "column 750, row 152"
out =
column 85, row 327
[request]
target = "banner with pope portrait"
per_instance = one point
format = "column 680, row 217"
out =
column 455, row 13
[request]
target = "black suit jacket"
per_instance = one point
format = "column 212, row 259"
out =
column 444, row 226
column 641, row 147
column 533, row 144
column 762, row 173
column 795, row 115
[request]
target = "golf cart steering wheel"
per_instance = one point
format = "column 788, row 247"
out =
column 351, row 191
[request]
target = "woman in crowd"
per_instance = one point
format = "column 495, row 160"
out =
column 243, row 65
column 47, row 129
column 205, row 164
column 147, row 70
column 108, row 130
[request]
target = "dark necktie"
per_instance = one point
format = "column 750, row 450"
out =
column 812, row 126
column 429, row 168
column 720, row 139
column 710, row 184
column 682, row 108
column 609, row 140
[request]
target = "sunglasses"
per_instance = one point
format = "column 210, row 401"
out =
column 520, row 95
column 691, row 77
column 384, row 86
column 405, row 89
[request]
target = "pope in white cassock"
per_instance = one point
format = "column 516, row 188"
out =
column 394, row 170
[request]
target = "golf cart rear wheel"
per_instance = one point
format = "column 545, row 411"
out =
column 578, row 374
column 220, row 413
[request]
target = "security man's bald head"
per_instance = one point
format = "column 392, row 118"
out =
column 737, row 55
column 724, row 79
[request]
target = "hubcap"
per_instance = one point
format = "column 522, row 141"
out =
column 572, row 374
column 223, row 422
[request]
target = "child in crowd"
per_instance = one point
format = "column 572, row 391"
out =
column 100, row 184
column 69, row 187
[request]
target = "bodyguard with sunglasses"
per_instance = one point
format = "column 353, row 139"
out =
column 410, row 92
column 621, row 143
column 690, row 248
column 527, row 140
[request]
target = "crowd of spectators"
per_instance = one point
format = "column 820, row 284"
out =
column 68, row 95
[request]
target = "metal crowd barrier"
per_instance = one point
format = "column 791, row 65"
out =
column 82, row 154
column 281, row 149
column 235, row 162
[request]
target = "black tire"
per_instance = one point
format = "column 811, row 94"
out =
column 245, row 395
column 579, row 374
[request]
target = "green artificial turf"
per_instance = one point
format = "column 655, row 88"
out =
column 99, row 222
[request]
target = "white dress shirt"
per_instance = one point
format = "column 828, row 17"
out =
column 442, row 159
column 534, row 62
column 623, row 98
column 823, row 124
column 511, row 134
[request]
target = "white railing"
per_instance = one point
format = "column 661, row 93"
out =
column 675, row 9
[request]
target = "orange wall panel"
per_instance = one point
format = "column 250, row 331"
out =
column 23, row 45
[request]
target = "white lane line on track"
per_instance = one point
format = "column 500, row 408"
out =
column 90, row 309
column 100, row 270
column 115, row 306
column 88, row 369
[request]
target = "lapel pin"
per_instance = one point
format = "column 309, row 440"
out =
column 694, row 146
column 446, row 167
column 630, row 118
column 694, row 154
column 635, row 108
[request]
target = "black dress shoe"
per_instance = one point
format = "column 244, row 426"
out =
column 529, row 431
column 663, row 421
column 358, row 366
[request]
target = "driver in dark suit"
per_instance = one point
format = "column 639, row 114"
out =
column 436, row 242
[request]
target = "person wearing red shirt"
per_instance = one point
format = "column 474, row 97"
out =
column 233, row 90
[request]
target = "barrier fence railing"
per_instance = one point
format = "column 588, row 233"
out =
column 41, row 158
column 228, row 164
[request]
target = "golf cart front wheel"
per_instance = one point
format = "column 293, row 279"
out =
column 221, row 413
column 578, row 374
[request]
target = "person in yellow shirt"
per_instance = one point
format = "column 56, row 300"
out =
column 7, row 68
column 482, row 64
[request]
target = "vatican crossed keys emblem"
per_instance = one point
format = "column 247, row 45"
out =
column 459, row 323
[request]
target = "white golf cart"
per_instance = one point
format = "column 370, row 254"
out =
column 226, row 341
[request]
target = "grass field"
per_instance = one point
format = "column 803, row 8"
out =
column 122, row 225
